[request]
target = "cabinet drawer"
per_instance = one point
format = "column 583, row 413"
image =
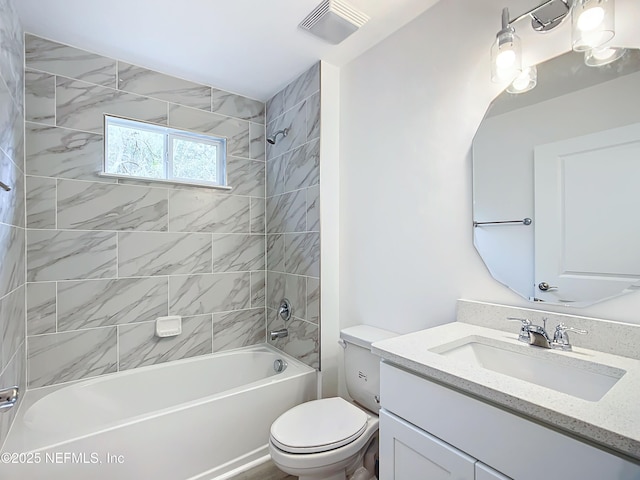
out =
column 495, row 436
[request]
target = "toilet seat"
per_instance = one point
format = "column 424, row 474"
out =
column 318, row 426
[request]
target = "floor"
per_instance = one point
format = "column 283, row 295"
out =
column 266, row 471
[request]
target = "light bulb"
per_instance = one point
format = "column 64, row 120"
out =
column 593, row 23
column 603, row 53
column 590, row 19
column 520, row 83
column 524, row 82
column 506, row 53
column 505, row 59
column 598, row 57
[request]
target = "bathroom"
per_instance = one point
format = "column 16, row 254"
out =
column 396, row 249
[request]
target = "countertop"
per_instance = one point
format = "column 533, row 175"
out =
column 613, row 421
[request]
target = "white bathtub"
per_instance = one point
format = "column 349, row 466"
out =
column 198, row 419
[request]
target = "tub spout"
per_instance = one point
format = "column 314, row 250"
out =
column 275, row 334
column 8, row 397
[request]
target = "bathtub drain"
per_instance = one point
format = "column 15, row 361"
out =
column 279, row 365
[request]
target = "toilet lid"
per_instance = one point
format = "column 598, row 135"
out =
column 318, row 426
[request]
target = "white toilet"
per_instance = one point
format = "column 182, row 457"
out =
column 328, row 439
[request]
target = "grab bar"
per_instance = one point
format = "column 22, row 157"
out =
column 526, row 221
column 5, row 187
column 8, row 398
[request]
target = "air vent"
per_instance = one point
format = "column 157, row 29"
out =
column 333, row 21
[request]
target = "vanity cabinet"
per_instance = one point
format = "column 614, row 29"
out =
column 429, row 431
column 409, row 453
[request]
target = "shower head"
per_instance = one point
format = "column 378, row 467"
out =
column 272, row 138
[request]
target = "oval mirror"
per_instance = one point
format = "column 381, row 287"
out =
column 560, row 164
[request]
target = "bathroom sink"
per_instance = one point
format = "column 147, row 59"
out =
column 579, row 378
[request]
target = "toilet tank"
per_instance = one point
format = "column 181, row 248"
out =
column 362, row 368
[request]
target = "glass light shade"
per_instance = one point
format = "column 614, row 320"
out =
column 592, row 23
column 527, row 80
column 597, row 57
column 506, row 57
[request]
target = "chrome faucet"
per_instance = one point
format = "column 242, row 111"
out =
column 537, row 335
column 533, row 334
column 282, row 333
column 524, row 328
column 8, row 397
column 561, row 337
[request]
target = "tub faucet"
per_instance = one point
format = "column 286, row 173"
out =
column 8, row 397
column 282, row 333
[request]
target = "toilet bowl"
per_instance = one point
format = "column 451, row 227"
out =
column 328, row 439
column 322, row 439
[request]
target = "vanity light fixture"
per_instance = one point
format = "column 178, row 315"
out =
column 592, row 23
column 506, row 55
column 597, row 57
column 592, row 28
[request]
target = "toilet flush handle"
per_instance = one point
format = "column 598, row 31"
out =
column 342, row 343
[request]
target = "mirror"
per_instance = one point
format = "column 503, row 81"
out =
column 565, row 155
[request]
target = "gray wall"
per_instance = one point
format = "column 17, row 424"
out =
column 293, row 215
column 12, row 217
column 106, row 257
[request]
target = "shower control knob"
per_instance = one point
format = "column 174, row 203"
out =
column 285, row 309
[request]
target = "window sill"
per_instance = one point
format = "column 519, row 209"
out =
column 166, row 181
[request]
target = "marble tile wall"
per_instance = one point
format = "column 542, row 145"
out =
column 12, row 209
column 106, row 257
column 292, row 212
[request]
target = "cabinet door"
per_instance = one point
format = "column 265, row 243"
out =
column 484, row 472
column 408, row 453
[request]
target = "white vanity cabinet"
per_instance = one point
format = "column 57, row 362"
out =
column 429, row 431
column 409, row 453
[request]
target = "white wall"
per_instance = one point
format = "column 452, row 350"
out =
column 409, row 109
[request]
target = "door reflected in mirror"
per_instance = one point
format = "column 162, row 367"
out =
column 566, row 155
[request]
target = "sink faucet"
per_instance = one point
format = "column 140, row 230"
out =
column 537, row 335
column 533, row 334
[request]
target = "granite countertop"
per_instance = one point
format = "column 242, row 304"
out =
column 612, row 421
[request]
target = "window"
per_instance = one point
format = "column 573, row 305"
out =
column 155, row 152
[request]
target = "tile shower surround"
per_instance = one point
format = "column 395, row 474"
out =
column 292, row 210
column 12, row 208
column 105, row 257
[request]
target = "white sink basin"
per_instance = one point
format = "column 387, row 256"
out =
column 579, row 378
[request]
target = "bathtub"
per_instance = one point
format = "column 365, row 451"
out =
column 196, row 419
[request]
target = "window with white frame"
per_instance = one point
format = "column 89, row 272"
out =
column 156, row 152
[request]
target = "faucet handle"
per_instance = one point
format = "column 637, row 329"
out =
column 561, row 337
column 524, row 328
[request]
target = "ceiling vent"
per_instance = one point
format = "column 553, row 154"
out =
column 333, row 21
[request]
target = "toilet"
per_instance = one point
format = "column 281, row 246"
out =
column 331, row 438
